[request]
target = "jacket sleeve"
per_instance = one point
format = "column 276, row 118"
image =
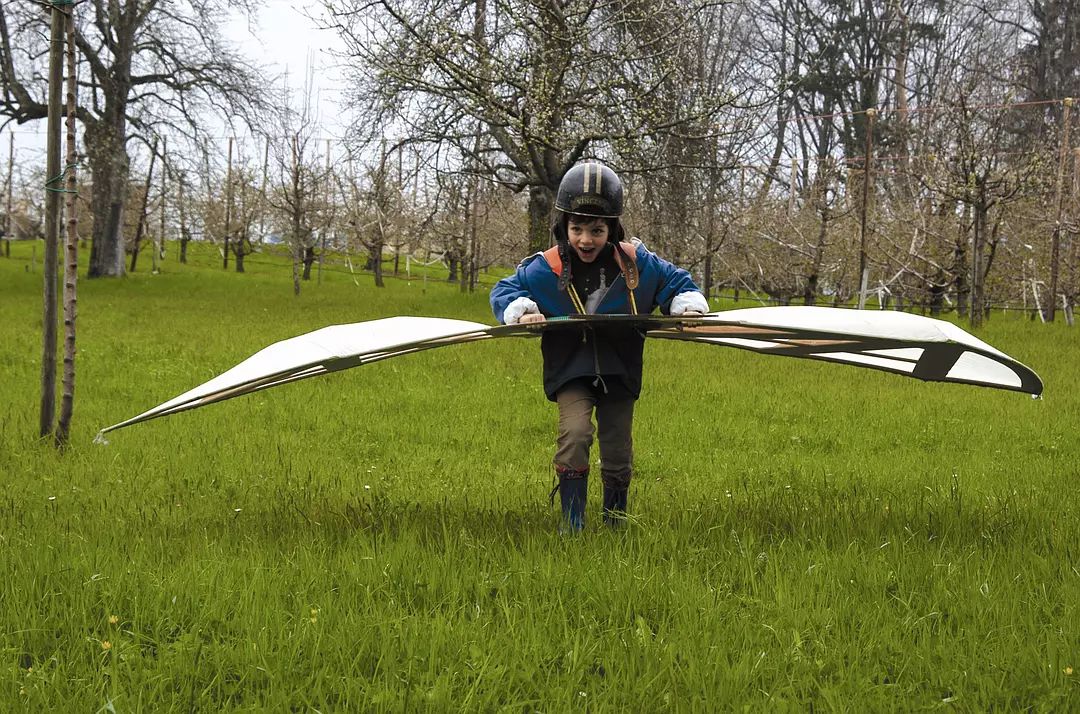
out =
column 512, row 292
column 673, row 281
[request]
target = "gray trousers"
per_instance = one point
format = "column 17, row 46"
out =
column 614, row 426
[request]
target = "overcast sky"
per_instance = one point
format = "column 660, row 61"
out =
column 284, row 39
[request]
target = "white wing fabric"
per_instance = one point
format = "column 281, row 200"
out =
column 912, row 345
column 327, row 350
column 920, row 347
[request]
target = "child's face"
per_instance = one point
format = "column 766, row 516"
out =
column 587, row 237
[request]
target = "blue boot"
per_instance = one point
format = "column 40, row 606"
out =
column 615, row 505
column 572, row 487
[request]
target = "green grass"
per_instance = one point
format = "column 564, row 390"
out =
column 380, row 539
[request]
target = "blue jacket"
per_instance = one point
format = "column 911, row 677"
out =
column 597, row 354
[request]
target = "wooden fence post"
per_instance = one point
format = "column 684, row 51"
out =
column 159, row 249
column 791, row 188
column 228, row 208
column 1055, row 240
column 868, row 174
column 9, row 227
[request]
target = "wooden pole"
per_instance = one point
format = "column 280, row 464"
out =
column 52, row 226
column 9, row 226
column 182, row 256
column 141, row 225
column 1071, row 260
column 294, row 211
column 228, row 208
column 1055, row 239
column 262, row 189
column 328, row 189
column 868, row 175
column 159, row 249
column 71, row 247
column 791, row 188
column 469, row 269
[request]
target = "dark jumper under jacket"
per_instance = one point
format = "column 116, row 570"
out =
column 612, row 357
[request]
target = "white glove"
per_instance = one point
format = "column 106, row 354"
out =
column 521, row 306
column 690, row 302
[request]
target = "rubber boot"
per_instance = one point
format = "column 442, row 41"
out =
column 615, row 505
column 573, row 487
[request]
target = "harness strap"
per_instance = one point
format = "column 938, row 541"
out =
column 624, row 256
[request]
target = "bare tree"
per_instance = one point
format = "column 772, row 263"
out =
column 549, row 82
column 147, row 65
column 301, row 195
column 297, row 197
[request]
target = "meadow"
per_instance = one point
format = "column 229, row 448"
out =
column 803, row 536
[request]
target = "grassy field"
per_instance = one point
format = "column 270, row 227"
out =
column 803, row 535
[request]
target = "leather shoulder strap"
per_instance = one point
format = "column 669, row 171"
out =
column 626, row 257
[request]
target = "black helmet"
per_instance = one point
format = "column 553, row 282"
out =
column 590, row 189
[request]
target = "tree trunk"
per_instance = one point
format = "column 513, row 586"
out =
column 309, row 260
column 540, row 203
column 296, row 245
column 71, row 264
column 707, row 278
column 185, row 233
column 978, row 239
column 240, row 260
column 376, row 256
column 960, row 267
column 107, row 157
column 811, row 291
column 937, row 298
column 296, row 270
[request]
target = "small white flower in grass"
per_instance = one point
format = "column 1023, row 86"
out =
column 52, row 498
column 1068, row 671
column 237, row 510
column 367, row 487
column 582, row 694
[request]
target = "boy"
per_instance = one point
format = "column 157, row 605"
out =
column 591, row 270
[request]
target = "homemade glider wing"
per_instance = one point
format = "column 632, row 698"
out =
column 912, row 345
column 327, row 350
column 921, row 347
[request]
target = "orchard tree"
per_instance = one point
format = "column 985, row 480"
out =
column 548, row 82
column 303, row 186
column 146, row 66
